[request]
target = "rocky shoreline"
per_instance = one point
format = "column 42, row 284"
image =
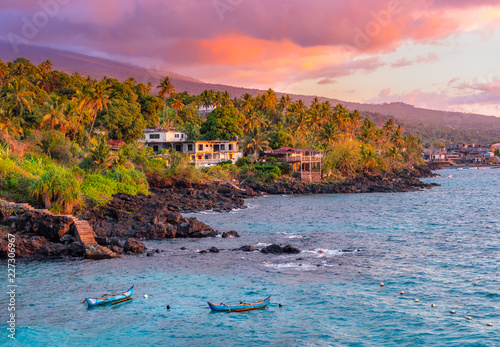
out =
column 122, row 223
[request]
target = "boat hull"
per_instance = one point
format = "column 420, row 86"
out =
column 110, row 299
column 240, row 307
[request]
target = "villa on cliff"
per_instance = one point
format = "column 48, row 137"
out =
column 305, row 162
column 201, row 153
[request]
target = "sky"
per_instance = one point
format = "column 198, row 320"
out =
column 437, row 54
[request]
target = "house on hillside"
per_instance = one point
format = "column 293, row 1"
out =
column 201, row 153
column 305, row 162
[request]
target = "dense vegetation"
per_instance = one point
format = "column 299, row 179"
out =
column 55, row 132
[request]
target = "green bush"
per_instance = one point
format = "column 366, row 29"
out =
column 58, row 188
column 56, row 145
column 243, row 161
column 285, row 168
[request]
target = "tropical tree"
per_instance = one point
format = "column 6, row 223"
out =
column 166, row 87
column 54, row 113
column 256, row 142
column 176, row 104
column 393, row 154
column 99, row 99
column 329, row 133
column 207, row 98
column 101, row 154
column 17, row 97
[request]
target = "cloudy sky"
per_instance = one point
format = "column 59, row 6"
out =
column 439, row 54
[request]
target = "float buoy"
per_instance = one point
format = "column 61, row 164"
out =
column 433, row 305
column 382, row 284
column 489, row 324
column 168, row 307
column 359, row 272
column 416, row 300
column 452, row 312
column 280, row 304
column 402, row 293
column 469, row 318
column 146, row 296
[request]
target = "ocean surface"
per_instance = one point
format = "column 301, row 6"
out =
column 440, row 246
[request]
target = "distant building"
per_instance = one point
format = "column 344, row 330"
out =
column 201, row 153
column 203, row 111
column 305, row 162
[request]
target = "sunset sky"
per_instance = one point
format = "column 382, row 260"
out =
column 439, row 54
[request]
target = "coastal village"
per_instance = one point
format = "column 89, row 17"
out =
column 463, row 154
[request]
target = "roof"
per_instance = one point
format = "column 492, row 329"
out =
column 496, row 145
column 160, row 129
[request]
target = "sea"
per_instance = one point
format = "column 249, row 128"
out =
column 441, row 247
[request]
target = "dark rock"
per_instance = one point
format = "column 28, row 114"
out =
column 214, row 250
column 173, row 217
column 157, row 250
column 102, row 240
column 150, row 253
column 289, row 249
column 52, row 250
column 67, row 238
column 203, row 251
column 246, row 248
column 231, row 233
column 115, row 241
column 98, row 252
column 76, row 249
column 183, row 248
column 134, row 246
column 272, row 249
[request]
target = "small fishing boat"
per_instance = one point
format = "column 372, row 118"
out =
column 110, row 299
column 240, row 307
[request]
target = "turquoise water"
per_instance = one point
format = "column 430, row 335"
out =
column 440, row 246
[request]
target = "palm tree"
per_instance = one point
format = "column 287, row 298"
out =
column 328, row 133
column 207, row 98
column 254, row 119
column 101, row 154
column 225, row 99
column 99, row 99
column 166, row 87
column 284, row 102
column 217, row 99
column 4, row 73
column 389, row 126
column 369, row 158
column 17, row 97
column 54, row 113
column 247, row 103
column 255, row 143
column 83, row 100
column 315, row 103
column 177, row 104
column 393, row 154
column 9, row 126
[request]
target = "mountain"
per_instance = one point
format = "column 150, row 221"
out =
column 408, row 115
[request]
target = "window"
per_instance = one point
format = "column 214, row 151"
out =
column 200, row 147
column 154, row 136
column 230, row 147
column 155, row 148
column 206, row 145
column 190, row 148
column 177, row 135
column 222, row 147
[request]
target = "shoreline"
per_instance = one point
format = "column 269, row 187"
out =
column 120, row 225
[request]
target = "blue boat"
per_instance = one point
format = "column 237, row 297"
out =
column 110, row 299
column 240, row 307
